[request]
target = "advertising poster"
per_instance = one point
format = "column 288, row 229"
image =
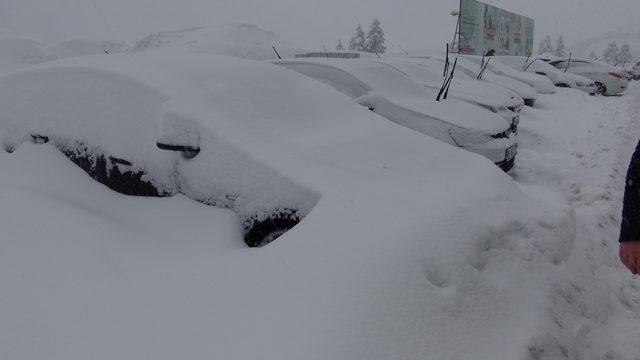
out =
column 488, row 29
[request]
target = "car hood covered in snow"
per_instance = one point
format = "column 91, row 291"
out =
column 471, row 69
column 539, row 82
column 367, row 79
column 429, row 73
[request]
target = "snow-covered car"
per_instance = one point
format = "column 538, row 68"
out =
column 541, row 83
column 219, row 130
column 559, row 78
column 490, row 96
column 609, row 80
column 392, row 94
column 472, row 70
column 406, row 233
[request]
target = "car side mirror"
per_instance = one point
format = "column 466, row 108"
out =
column 179, row 135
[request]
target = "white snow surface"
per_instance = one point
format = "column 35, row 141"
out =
column 415, row 249
column 246, row 41
column 18, row 52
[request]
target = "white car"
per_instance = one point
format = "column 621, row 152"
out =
column 609, row 80
column 541, row 83
column 392, row 94
column 492, row 97
column 558, row 77
column 472, row 70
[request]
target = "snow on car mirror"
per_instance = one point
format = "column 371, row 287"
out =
column 179, row 135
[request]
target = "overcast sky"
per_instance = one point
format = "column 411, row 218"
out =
column 415, row 24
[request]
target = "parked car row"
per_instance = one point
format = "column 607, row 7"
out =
column 210, row 145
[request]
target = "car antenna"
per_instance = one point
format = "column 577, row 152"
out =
column 568, row 63
column 276, row 51
column 403, row 50
column 453, row 70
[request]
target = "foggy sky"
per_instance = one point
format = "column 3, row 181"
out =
column 415, row 24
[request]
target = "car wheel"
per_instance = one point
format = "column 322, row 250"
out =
column 601, row 88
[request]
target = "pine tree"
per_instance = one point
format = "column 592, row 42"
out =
column 375, row 38
column 592, row 55
column 339, row 47
column 545, row 46
column 357, row 42
column 611, row 54
column 560, row 48
column 625, row 54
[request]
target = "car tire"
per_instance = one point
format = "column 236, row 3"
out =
column 601, row 88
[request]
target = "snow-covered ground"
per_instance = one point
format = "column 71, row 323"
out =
column 415, row 250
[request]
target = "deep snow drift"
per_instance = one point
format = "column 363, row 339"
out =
column 414, row 250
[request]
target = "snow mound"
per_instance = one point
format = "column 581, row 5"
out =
column 245, row 41
column 83, row 47
column 17, row 52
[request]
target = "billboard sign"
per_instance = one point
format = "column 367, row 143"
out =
column 485, row 28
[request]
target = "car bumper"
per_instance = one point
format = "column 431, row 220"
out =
column 500, row 151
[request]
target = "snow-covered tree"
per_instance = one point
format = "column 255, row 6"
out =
column 625, row 54
column 375, row 38
column 545, row 46
column 611, row 54
column 339, row 46
column 357, row 42
column 592, row 55
column 560, row 52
